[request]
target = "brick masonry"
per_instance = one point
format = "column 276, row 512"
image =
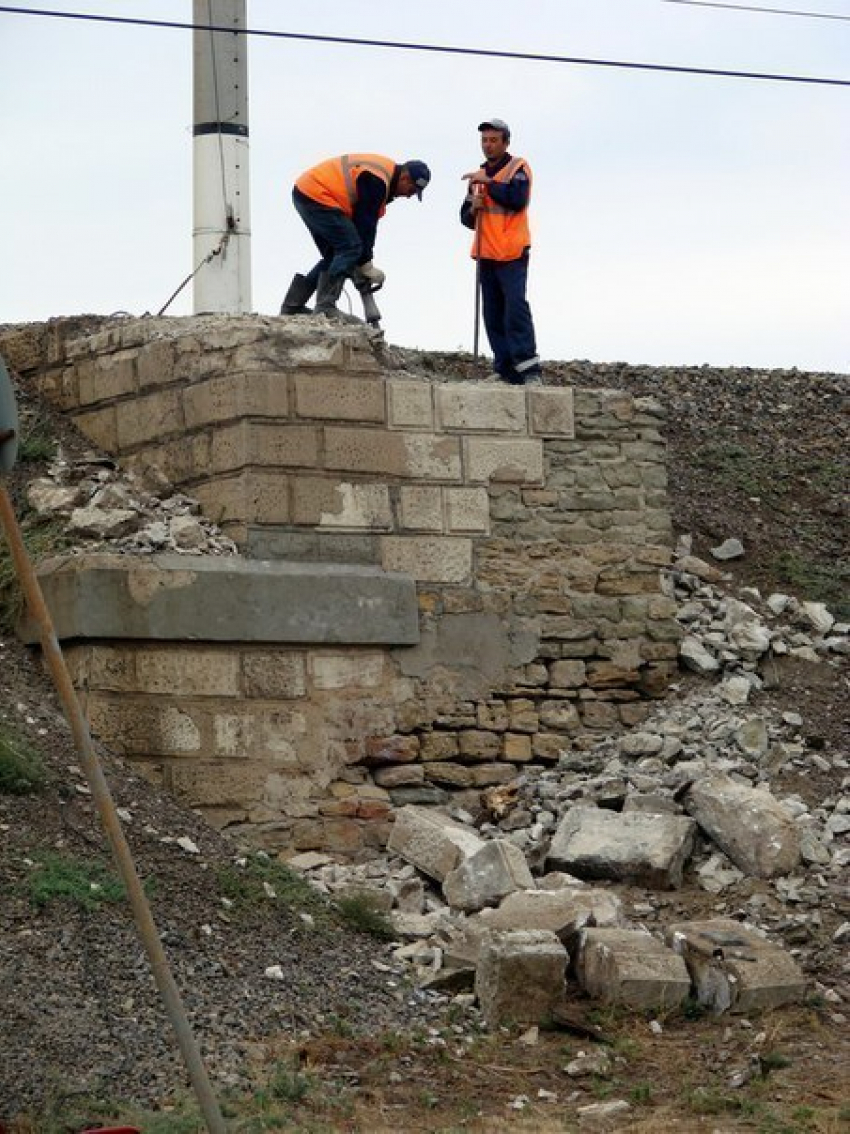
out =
column 533, row 522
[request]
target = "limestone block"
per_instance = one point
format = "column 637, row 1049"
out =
column 155, row 364
column 468, row 510
column 100, row 426
column 521, row 977
column 648, row 849
column 567, row 674
column 560, row 716
column 219, row 783
column 439, row 746
column 148, row 418
column 282, row 444
column 486, row 876
column 477, row 744
column 622, row 966
column 331, row 503
column 448, row 773
column 489, row 774
column 473, row 408
column 340, row 397
column 432, row 457
column 399, row 775
column 273, row 675
column 188, row 670
column 517, row 747
column 429, row 559
column 232, row 396
column 431, row 841
column 748, row 823
column 504, row 460
column 551, row 412
column 355, row 669
column 411, row 404
column 734, row 969
column 102, row 379
column 145, row 728
column 563, row 911
column 421, row 508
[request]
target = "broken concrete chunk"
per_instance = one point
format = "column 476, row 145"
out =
column 733, row 969
column 634, row 847
column 623, row 966
column 431, row 841
column 486, row 876
column 521, row 977
column 748, row 823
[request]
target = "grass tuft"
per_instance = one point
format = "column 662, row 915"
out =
column 22, row 769
column 84, row 884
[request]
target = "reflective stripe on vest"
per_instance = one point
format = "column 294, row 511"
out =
column 502, row 234
column 333, row 183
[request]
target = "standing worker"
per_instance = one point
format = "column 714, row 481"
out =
column 341, row 201
column 496, row 207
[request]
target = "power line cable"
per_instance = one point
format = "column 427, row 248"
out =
column 437, row 48
column 754, row 8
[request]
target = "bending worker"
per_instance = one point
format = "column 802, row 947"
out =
column 341, row 201
column 497, row 208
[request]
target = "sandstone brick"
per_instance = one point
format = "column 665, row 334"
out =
column 202, row 783
column 567, row 674
column 104, row 379
column 282, row 444
column 399, row 775
column 517, row 747
column 187, row 671
column 274, row 675
column 429, row 559
column 523, row 716
column 491, row 773
column 551, row 412
column 148, row 418
column 473, row 408
column 355, row 669
column 517, row 460
column 492, row 715
column 155, row 364
column 411, row 404
column 561, row 716
column 476, row 744
column 449, row 773
column 598, row 715
column 439, row 746
column 421, row 508
column 340, row 397
column 233, row 396
column 468, row 510
column 100, row 426
column 391, row 749
column 327, row 503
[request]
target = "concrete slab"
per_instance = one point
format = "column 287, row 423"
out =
column 188, row 597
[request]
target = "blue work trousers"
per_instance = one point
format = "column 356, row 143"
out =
column 507, row 318
column 336, row 237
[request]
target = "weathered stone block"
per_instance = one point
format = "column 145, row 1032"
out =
column 468, row 510
column 622, row 966
column 521, row 977
column 331, row 503
column 486, row 876
column 421, row 508
column 748, row 823
column 431, row 841
column 500, row 459
column 563, row 911
column 649, row 849
column 188, row 670
column 473, row 408
column 148, row 418
column 340, row 397
column 551, row 412
column 734, row 969
column 274, row 675
column 411, row 404
column 429, row 559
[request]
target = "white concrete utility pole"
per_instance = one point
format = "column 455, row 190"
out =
column 222, row 213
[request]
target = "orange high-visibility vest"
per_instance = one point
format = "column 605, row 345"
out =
column 502, row 234
column 334, row 182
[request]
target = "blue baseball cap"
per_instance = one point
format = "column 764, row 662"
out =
column 419, row 174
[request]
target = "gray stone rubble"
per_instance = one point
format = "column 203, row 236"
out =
column 683, row 801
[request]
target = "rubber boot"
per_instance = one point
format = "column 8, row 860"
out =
column 327, row 293
column 294, row 302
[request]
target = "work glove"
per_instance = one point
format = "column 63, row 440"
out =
column 373, row 276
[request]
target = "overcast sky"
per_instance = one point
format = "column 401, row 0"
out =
column 677, row 219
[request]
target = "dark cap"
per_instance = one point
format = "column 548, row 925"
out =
column 419, row 174
column 496, row 124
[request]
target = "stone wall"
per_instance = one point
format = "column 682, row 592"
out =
column 533, row 523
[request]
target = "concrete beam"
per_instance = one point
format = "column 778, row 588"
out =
column 182, row 597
